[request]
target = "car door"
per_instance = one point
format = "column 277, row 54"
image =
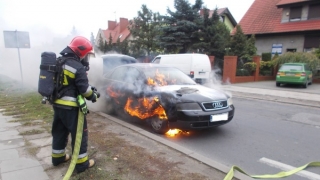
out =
column 115, row 86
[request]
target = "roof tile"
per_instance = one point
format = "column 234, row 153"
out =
column 263, row 17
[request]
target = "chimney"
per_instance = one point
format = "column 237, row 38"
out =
column 201, row 12
column 111, row 25
column 123, row 24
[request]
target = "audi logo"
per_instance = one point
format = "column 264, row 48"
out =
column 217, row 105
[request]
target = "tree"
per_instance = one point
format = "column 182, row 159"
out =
column 101, row 44
column 110, row 43
column 214, row 36
column 124, row 47
column 178, row 29
column 238, row 43
column 251, row 49
column 144, row 29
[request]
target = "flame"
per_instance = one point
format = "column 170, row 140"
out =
column 145, row 108
column 114, row 94
column 173, row 132
column 160, row 80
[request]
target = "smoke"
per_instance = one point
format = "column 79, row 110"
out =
column 215, row 81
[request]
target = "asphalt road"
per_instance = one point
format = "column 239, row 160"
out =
column 263, row 138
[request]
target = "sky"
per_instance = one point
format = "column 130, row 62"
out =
column 60, row 16
column 49, row 22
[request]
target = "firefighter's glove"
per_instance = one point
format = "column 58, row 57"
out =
column 82, row 104
column 96, row 95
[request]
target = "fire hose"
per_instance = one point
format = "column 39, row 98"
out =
column 281, row 174
column 82, row 111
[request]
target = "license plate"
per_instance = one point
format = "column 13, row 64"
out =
column 219, row 117
column 289, row 74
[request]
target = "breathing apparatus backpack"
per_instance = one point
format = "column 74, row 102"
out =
column 51, row 76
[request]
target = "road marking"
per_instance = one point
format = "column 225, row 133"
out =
column 285, row 167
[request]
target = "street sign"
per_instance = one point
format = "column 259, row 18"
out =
column 16, row 39
column 276, row 48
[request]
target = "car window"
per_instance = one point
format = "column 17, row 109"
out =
column 156, row 61
column 119, row 74
column 290, row 67
column 132, row 75
column 167, row 76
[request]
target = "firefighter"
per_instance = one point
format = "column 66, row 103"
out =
column 75, row 82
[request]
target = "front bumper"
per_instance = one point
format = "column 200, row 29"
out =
column 199, row 120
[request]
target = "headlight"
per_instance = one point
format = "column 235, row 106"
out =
column 188, row 107
column 230, row 102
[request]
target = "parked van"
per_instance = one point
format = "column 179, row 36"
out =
column 197, row 66
column 113, row 60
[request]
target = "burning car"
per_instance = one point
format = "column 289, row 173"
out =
column 165, row 97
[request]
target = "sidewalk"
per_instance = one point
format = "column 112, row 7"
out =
column 15, row 164
column 268, row 91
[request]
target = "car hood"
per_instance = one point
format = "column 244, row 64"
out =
column 193, row 93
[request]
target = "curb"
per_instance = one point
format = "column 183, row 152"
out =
column 279, row 99
column 189, row 153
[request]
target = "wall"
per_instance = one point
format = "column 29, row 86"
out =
column 230, row 68
column 264, row 44
column 228, row 23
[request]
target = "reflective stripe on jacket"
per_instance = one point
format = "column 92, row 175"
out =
column 74, row 81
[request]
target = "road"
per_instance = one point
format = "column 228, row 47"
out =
column 261, row 132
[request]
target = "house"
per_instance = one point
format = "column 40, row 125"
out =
column 117, row 30
column 283, row 25
column 225, row 16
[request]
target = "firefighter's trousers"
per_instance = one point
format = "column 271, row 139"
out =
column 65, row 122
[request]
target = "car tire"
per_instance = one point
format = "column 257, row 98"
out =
column 277, row 84
column 159, row 126
column 305, row 85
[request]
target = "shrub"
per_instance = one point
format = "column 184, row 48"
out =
column 299, row 57
column 243, row 72
column 266, row 65
column 250, row 66
column 266, row 56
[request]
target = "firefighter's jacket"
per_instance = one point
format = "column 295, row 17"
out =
column 75, row 82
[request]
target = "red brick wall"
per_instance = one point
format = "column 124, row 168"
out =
column 211, row 61
column 229, row 69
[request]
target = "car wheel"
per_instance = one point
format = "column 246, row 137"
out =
column 305, row 85
column 159, row 126
column 109, row 109
column 277, row 84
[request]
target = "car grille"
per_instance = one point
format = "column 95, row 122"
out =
column 215, row 105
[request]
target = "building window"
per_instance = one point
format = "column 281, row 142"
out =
column 295, row 13
column 291, row 50
column 314, row 11
column 312, row 41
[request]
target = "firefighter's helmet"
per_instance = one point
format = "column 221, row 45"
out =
column 81, row 46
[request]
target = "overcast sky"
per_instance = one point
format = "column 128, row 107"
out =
column 59, row 16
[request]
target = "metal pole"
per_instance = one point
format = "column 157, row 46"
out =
column 19, row 56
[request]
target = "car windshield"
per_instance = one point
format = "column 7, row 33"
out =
column 163, row 76
column 291, row 68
